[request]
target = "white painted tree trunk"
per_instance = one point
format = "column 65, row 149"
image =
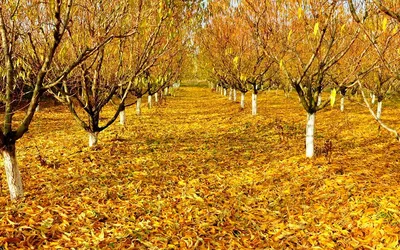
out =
column 379, row 110
column 373, row 98
column 254, row 104
column 149, row 102
column 319, row 100
column 342, row 103
column 166, row 91
column 234, row 95
column 156, row 97
column 225, row 92
column 242, row 100
column 14, row 180
column 138, row 106
column 230, row 94
column 310, row 135
column 122, row 117
column 93, row 138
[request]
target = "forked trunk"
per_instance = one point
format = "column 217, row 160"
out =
column 242, row 101
column 310, row 135
column 234, row 95
column 14, row 180
column 254, row 104
column 379, row 110
column 149, row 102
column 93, row 138
column 342, row 103
column 138, row 106
column 122, row 117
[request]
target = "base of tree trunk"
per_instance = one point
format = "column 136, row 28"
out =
column 379, row 110
column 93, row 139
column 149, row 104
column 13, row 174
column 138, row 106
column 342, row 104
column 242, row 100
column 254, row 104
column 122, row 117
column 310, row 135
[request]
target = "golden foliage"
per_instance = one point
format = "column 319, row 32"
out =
column 198, row 173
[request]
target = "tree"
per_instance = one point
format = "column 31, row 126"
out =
column 313, row 44
column 97, row 81
column 229, row 42
column 32, row 34
column 383, row 36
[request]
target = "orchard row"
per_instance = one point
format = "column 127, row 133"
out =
column 311, row 47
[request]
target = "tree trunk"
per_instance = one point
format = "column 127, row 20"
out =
column 254, row 104
column 230, row 94
column 342, row 103
column 37, row 108
column 14, row 180
column 234, row 95
column 93, row 138
column 310, row 135
column 122, row 117
column 242, row 100
column 373, row 98
column 156, row 97
column 149, row 102
column 166, row 91
column 222, row 90
column 319, row 101
column 225, row 92
column 138, row 106
column 379, row 110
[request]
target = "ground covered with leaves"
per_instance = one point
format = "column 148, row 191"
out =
column 199, row 173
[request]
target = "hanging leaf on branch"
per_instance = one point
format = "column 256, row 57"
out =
column 316, row 29
column 384, row 24
column 299, row 12
column 236, row 62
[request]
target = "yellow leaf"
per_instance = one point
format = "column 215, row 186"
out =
column 182, row 183
column 290, row 34
column 384, row 24
column 197, row 198
column 333, row 97
column 342, row 28
column 299, row 12
column 101, row 235
column 316, row 29
column 281, row 64
column 236, row 62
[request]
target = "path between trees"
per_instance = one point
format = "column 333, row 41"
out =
column 198, row 171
